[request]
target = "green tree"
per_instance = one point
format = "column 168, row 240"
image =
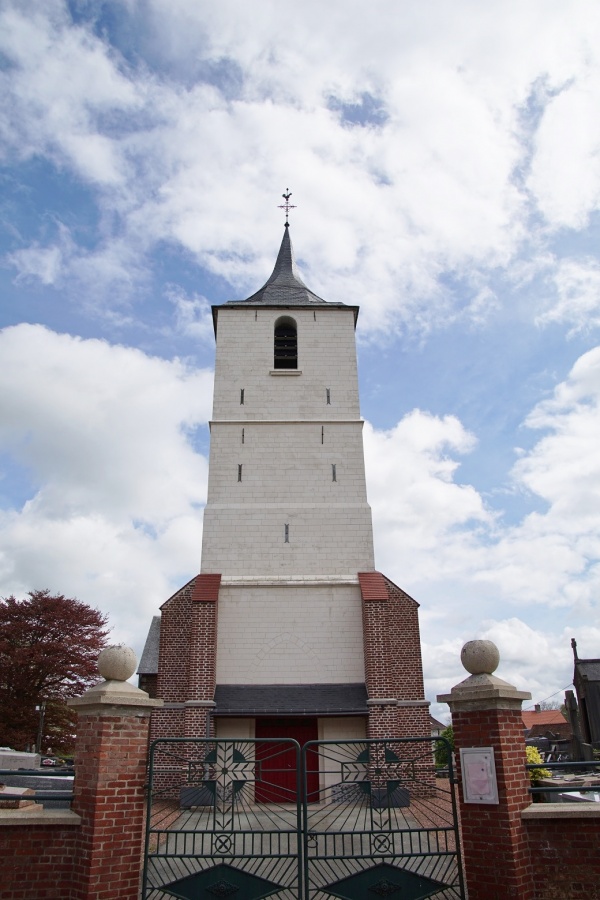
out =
column 441, row 749
column 533, row 755
column 49, row 645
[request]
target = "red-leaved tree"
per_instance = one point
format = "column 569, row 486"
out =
column 49, row 645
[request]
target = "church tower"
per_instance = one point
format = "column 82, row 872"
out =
column 288, row 630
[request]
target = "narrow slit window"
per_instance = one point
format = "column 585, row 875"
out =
column 243, row 437
column 285, row 344
column 286, row 534
column 328, row 395
column 322, row 434
column 240, row 472
column 333, row 472
column 242, row 397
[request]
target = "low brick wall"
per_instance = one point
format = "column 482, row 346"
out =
column 564, row 850
column 37, row 853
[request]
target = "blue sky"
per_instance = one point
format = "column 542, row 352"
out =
column 444, row 160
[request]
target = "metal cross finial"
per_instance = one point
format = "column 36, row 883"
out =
column 287, row 206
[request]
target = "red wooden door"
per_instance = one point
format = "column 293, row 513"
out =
column 278, row 778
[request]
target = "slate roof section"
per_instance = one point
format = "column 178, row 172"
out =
column 588, row 668
column 284, row 287
column 290, row 699
column 206, row 588
column 149, row 661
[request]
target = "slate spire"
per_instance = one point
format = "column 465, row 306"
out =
column 284, row 287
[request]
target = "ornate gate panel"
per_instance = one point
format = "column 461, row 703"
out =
column 361, row 819
column 381, row 824
column 219, row 822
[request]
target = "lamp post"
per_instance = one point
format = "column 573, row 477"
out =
column 41, row 710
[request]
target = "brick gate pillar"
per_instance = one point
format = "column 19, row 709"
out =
column 486, row 712
column 110, row 774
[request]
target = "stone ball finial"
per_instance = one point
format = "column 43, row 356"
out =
column 117, row 663
column 480, row 657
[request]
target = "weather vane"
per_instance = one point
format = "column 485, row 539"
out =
column 287, row 205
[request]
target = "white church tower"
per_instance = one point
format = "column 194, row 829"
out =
column 288, row 630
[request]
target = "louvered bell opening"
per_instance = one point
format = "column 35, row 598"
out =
column 286, row 347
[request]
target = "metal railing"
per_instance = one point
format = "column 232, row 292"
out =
column 566, row 778
column 50, row 798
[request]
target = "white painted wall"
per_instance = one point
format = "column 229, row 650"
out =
column 284, row 634
column 286, row 438
column 326, row 359
column 242, row 729
column 331, row 758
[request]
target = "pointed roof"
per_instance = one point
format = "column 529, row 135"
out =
column 284, row 287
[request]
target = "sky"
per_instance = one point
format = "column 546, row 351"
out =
column 444, row 160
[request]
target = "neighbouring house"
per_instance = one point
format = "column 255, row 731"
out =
column 436, row 726
column 586, row 678
column 546, row 723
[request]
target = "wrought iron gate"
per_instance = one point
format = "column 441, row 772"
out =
column 246, row 819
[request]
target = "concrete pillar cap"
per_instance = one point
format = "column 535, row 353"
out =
column 482, row 689
column 480, row 657
column 117, row 662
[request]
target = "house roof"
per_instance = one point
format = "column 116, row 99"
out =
column 149, row 661
column 543, row 717
column 290, row 699
column 435, row 723
column 588, row 668
column 373, row 586
column 206, row 588
column 376, row 586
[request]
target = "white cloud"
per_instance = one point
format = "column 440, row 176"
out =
column 483, row 146
column 102, row 281
column 37, row 263
column 116, row 487
column 437, row 538
column 565, row 171
column 418, row 508
column 578, row 295
column 60, row 79
column 180, row 147
column 193, row 315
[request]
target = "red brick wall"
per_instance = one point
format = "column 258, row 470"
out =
column 202, row 675
column 173, row 659
column 187, row 662
column 565, row 858
column 110, row 774
column 147, row 682
column 36, row 861
column 495, row 842
column 393, row 666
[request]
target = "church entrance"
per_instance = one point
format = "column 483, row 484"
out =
column 278, row 761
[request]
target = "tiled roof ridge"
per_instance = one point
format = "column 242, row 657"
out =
column 206, row 587
column 372, row 586
column 377, row 586
column 543, row 717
